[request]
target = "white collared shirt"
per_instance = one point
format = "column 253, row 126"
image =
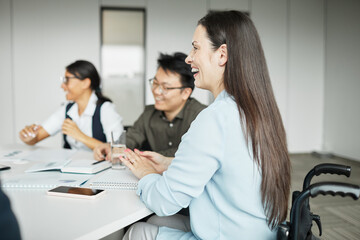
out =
column 110, row 120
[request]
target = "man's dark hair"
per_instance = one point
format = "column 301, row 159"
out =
column 176, row 64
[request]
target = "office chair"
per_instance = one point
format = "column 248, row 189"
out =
column 299, row 226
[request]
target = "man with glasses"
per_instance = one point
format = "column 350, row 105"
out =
column 161, row 126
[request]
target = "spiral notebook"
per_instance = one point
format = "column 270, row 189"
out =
column 115, row 179
column 44, row 180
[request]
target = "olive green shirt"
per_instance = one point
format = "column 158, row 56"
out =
column 153, row 131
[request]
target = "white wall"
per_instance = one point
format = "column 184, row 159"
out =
column 170, row 27
column 292, row 33
column 167, row 32
column 45, row 39
column 7, row 125
column 342, row 86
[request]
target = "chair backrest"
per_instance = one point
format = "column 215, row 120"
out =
column 299, row 226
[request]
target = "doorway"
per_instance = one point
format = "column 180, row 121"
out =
column 123, row 60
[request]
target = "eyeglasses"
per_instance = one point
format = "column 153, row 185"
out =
column 65, row 79
column 162, row 89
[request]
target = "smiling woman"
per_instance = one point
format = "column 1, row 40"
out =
column 233, row 160
column 86, row 120
column 204, row 62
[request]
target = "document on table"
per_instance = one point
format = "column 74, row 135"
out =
column 44, row 180
column 36, row 155
column 49, row 159
column 69, row 162
column 12, row 155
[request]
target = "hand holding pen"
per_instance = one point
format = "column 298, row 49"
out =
column 102, row 152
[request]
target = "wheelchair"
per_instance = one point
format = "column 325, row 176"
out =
column 301, row 218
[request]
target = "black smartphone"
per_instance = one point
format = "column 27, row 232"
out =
column 76, row 192
column 3, row 167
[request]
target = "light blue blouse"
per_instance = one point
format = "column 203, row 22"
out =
column 213, row 173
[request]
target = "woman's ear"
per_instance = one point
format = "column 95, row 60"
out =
column 86, row 83
column 223, row 55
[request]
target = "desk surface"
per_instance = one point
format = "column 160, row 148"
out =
column 49, row 217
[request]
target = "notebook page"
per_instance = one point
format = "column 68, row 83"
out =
column 115, row 179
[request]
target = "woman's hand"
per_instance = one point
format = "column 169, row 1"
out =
column 139, row 165
column 29, row 133
column 70, row 128
column 159, row 162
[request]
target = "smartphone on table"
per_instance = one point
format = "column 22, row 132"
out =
column 76, row 192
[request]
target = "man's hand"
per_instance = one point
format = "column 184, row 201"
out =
column 102, row 151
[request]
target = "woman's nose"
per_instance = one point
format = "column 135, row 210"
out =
column 188, row 59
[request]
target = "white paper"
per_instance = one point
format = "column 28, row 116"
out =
column 53, row 155
column 12, row 155
column 115, row 179
column 85, row 166
column 44, row 180
column 49, row 165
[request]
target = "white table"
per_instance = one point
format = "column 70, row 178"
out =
column 49, row 217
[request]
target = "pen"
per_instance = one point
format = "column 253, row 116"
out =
column 97, row 162
column 3, row 167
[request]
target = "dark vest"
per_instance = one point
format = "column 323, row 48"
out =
column 97, row 128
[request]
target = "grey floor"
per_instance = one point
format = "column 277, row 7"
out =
column 340, row 216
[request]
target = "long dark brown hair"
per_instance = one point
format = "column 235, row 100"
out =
column 247, row 80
